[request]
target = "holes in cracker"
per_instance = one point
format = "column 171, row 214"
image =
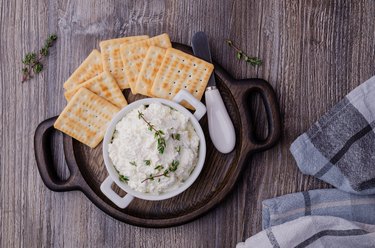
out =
column 174, row 82
column 194, row 64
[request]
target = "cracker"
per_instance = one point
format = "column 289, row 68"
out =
column 85, row 117
column 150, row 68
column 103, row 85
column 90, row 67
column 178, row 71
column 111, row 57
column 133, row 55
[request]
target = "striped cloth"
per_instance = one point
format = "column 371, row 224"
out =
column 317, row 218
column 340, row 147
column 322, row 202
column 314, row 231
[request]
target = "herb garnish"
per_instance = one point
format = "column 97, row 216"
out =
column 166, row 173
column 133, row 163
column 176, row 136
column 32, row 61
column 159, row 167
column 178, row 149
column 254, row 61
column 172, row 168
column 158, row 133
column 123, row 178
column 147, row 162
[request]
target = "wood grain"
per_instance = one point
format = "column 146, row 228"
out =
column 314, row 53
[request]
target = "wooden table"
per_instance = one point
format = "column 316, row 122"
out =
column 314, row 53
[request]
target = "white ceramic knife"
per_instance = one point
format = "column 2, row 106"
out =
column 219, row 123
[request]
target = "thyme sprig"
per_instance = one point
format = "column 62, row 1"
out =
column 33, row 61
column 254, row 61
column 158, row 134
column 172, row 168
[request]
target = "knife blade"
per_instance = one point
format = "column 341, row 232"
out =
column 201, row 49
column 220, row 125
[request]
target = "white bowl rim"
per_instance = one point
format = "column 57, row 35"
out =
column 114, row 174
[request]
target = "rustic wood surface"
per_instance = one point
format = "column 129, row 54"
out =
column 314, row 53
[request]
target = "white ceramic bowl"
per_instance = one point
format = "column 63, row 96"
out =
column 123, row 202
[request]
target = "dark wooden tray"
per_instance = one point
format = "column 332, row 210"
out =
column 219, row 174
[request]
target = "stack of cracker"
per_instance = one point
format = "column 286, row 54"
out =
column 148, row 66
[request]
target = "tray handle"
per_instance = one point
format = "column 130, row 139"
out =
column 44, row 161
column 272, row 111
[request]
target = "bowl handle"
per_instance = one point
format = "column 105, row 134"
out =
column 121, row 202
column 200, row 109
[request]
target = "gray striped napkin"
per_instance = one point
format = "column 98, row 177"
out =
column 314, row 231
column 322, row 202
column 340, row 147
column 317, row 218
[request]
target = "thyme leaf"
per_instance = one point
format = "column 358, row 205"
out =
column 123, row 178
column 174, row 165
column 176, row 136
column 178, row 149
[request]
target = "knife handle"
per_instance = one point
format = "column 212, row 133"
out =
column 220, row 125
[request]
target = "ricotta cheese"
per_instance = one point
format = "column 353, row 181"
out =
column 134, row 149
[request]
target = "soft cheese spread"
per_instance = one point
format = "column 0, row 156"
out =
column 154, row 148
